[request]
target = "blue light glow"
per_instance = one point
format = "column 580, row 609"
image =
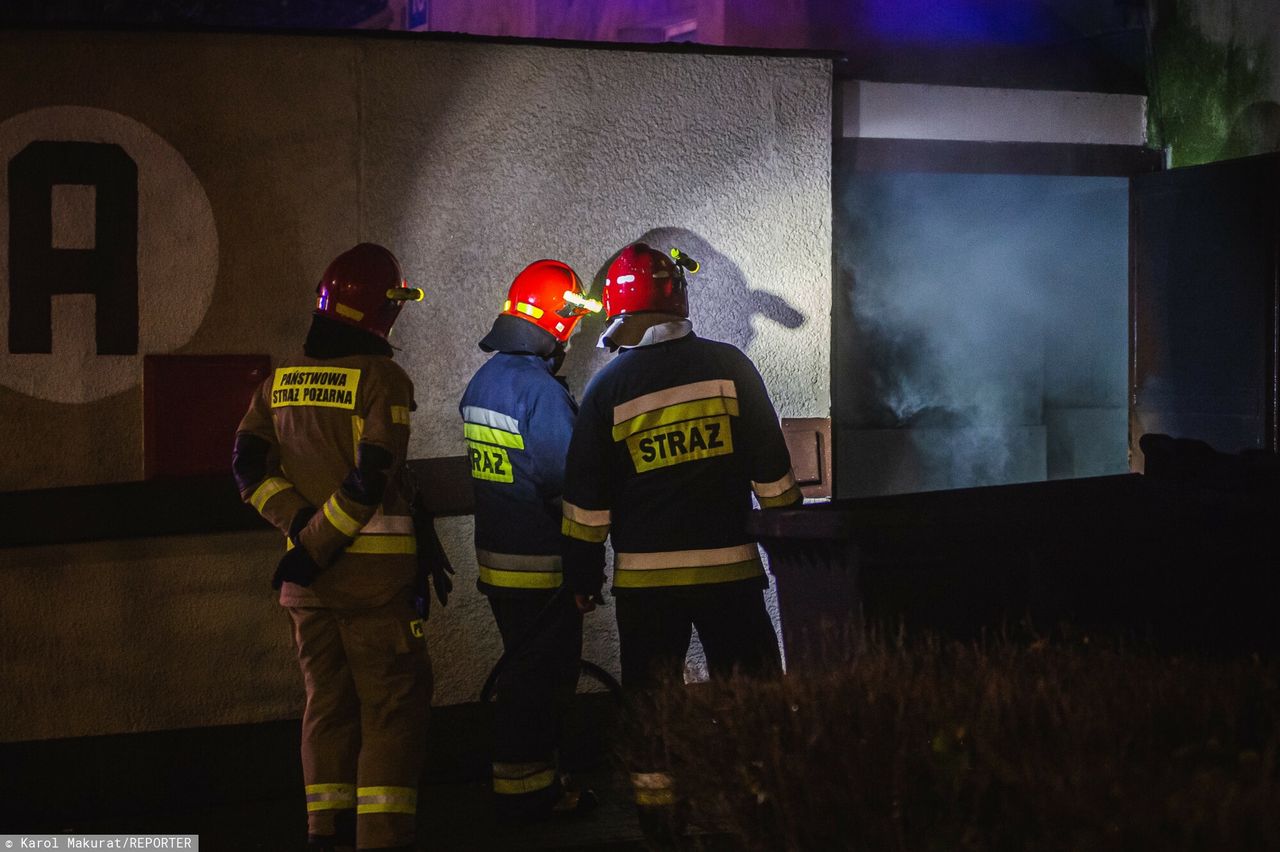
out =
column 1010, row 22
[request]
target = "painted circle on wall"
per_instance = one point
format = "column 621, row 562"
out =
column 91, row 296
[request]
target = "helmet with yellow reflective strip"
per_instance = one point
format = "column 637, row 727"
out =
column 364, row 287
column 550, row 295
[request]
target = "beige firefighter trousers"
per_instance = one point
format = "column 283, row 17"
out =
column 368, row 683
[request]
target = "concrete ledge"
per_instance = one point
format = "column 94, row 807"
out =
column 973, row 114
column 179, row 506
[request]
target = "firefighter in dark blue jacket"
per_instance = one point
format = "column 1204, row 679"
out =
column 518, row 417
column 674, row 437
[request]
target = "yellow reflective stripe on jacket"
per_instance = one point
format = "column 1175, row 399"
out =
column 377, row 544
column 387, row 800
column 653, row 788
column 330, row 797
column 708, row 556
column 775, row 488
column 491, row 435
column 489, row 417
column 506, row 785
column 671, row 396
column 582, row 532
column 518, row 570
column 269, row 488
column 521, row 579
column 380, row 523
column 344, row 523
column 701, row 575
column 400, row 414
column 786, row 498
column 589, row 517
column 702, row 408
column 780, row 492
column 687, row 567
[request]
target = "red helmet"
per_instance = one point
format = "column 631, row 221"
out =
column 644, row 279
column 364, row 287
column 549, row 294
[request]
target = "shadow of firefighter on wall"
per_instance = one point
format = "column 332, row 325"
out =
column 722, row 304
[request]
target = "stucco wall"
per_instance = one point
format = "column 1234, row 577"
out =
column 467, row 159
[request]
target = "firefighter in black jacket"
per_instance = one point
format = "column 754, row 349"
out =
column 517, row 419
column 672, row 439
column 317, row 454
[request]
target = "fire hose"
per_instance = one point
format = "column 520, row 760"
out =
column 540, row 622
column 435, row 573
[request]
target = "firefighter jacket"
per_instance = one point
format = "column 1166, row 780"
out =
column 672, row 439
column 517, row 419
column 324, row 420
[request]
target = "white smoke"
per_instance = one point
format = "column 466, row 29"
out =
column 979, row 301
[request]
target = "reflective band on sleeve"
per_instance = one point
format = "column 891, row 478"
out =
column 383, row 544
column 655, row 798
column 381, row 524
column 653, row 788
column 582, row 532
column 387, row 800
column 377, row 545
column 330, row 797
column 269, row 488
column 786, row 498
column 344, row 523
column 385, row 523
column 672, row 396
column 514, row 779
column 589, row 517
column 521, row 579
column 490, row 435
column 400, row 414
column 775, row 488
column 489, row 417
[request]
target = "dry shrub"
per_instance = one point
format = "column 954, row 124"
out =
column 998, row 745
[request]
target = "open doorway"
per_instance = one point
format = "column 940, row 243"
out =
column 980, row 324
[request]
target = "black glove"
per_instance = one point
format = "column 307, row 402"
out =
column 433, row 564
column 296, row 566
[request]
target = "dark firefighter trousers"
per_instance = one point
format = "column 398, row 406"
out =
column 368, row 683
column 654, row 630
column 533, row 694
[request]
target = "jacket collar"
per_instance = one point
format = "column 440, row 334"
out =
column 632, row 331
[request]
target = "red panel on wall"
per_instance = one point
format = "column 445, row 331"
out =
column 191, row 407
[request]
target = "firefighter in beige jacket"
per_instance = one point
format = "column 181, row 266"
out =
column 318, row 455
